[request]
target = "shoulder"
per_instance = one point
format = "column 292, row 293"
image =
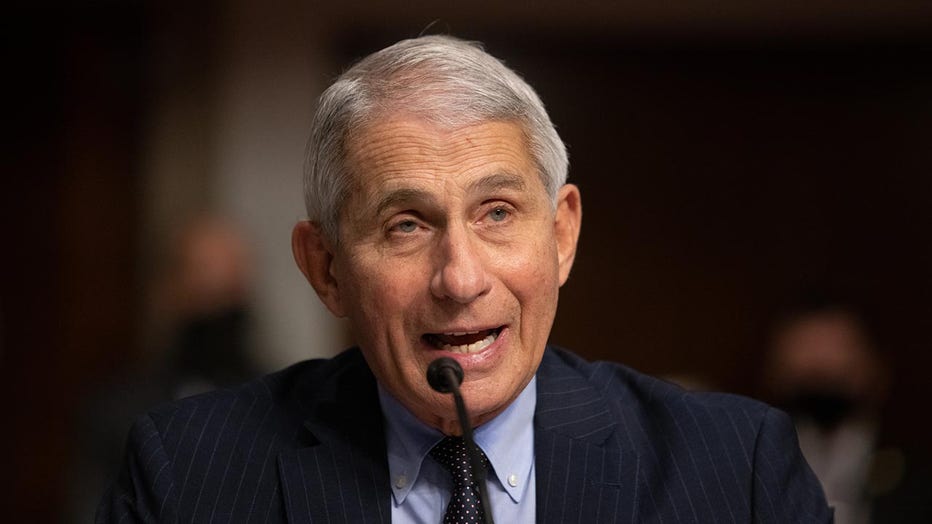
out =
column 223, row 445
column 739, row 446
column 274, row 402
column 626, row 388
column 650, row 412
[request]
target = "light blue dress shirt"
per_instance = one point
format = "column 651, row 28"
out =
column 421, row 487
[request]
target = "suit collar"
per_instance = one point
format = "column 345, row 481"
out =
column 338, row 471
column 580, row 468
column 567, row 402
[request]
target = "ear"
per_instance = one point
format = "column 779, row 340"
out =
column 314, row 256
column 566, row 227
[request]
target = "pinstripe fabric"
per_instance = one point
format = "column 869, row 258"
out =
column 611, row 445
column 301, row 445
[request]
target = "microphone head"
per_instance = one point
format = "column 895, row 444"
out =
column 439, row 376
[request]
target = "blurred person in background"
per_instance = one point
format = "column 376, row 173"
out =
column 823, row 367
column 206, row 303
column 202, row 340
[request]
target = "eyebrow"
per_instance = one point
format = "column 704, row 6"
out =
column 499, row 181
column 401, row 196
column 487, row 184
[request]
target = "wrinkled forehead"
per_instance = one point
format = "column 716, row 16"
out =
column 403, row 134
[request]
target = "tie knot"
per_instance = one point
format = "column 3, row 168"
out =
column 453, row 454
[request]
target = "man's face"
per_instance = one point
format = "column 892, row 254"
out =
column 450, row 246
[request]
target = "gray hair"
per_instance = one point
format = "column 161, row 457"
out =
column 447, row 81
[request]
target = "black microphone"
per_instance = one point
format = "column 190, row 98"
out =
column 445, row 376
column 439, row 378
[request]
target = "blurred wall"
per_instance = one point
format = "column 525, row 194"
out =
column 227, row 137
column 68, row 292
column 265, row 98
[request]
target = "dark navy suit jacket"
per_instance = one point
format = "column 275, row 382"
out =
column 611, row 445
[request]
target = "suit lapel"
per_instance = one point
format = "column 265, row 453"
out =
column 580, row 473
column 339, row 471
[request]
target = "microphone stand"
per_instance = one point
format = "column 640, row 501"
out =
column 452, row 374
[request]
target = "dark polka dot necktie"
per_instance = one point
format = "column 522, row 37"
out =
column 465, row 505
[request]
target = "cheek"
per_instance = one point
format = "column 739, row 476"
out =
column 381, row 295
column 376, row 281
column 537, row 271
column 533, row 279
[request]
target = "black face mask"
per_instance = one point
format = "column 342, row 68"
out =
column 826, row 408
column 213, row 347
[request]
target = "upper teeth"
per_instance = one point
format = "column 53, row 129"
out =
column 462, row 333
column 471, row 348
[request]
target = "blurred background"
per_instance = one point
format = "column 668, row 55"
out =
column 742, row 165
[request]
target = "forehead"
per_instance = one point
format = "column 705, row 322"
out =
column 401, row 151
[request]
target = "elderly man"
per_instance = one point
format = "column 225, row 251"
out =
column 441, row 225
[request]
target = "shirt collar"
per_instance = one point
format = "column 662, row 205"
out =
column 507, row 440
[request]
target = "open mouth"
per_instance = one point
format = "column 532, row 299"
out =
column 465, row 343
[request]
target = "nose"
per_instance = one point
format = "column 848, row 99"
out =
column 460, row 273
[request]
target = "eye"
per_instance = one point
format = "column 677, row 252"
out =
column 406, row 226
column 499, row 214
